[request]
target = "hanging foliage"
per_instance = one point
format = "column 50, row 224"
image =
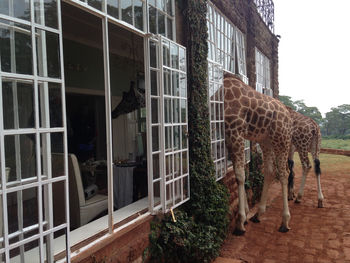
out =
column 201, row 223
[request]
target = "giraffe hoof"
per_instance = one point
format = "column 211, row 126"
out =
column 297, row 201
column 246, row 222
column 238, row 232
column 320, row 204
column 255, row 219
column 283, row 229
column 290, row 198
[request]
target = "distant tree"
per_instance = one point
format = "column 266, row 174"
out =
column 300, row 106
column 337, row 121
column 286, row 100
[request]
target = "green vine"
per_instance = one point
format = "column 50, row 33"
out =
column 255, row 180
column 201, row 223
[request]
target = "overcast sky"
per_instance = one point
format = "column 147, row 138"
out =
column 314, row 51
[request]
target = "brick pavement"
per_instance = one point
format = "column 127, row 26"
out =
column 316, row 235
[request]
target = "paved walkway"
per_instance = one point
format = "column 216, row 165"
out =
column 317, row 234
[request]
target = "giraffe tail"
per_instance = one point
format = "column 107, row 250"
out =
column 317, row 143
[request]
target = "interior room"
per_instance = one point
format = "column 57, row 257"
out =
column 86, row 116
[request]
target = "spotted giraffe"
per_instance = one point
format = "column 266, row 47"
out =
column 306, row 137
column 250, row 115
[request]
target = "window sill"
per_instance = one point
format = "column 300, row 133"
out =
column 87, row 236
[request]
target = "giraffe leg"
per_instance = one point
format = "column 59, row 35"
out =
column 291, row 173
column 315, row 151
column 237, row 155
column 318, row 178
column 305, row 162
column 240, row 176
column 282, row 172
column 268, row 179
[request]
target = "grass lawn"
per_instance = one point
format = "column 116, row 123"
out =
column 329, row 163
column 336, row 144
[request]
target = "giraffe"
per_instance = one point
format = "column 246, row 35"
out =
column 306, row 137
column 132, row 100
column 256, row 117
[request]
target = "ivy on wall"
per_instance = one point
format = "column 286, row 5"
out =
column 201, row 223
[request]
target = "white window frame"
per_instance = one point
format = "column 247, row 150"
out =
column 221, row 40
column 263, row 74
column 217, row 118
column 170, row 185
column 45, row 181
column 241, row 56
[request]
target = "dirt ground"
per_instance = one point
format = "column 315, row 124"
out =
column 316, row 235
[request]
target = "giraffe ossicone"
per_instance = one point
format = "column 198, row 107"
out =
column 250, row 115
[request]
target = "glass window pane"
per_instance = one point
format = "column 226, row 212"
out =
column 176, row 110
column 184, row 163
column 153, row 54
column 169, row 195
column 168, row 137
column 177, row 171
column 155, row 166
column 20, row 8
column 96, row 4
column 57, row 144
column 48, row 54
column 22, row 207
column 167, row 110
column 161, row 24
column 126, row 6
column 138, row 10
column 154, row 110
column 183, row 86
column 184, row 136
column 167, row 84
column 174, row 56
column 18, row 104
column 182, row 59
column 166, row 53
column 154, row 83
column 113, row 8
column 169, row 7
column 155, row 138
column 176, row 138
column 16, row 39
column 55, row 105
column 58, row 203
column 46, row 13
column 170, row 28
column 20, row 157
column 168, row 165
column 175, row 83
column 152, row 20
column 183, row 106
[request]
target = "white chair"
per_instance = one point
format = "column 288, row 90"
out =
column 81, row 211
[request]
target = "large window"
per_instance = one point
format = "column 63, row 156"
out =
column 217, row 123
column 221, row 41
column 241, row 56
column 34, row 190
column 160, row 19
column 142, row 144
column 262, row 65
column 226, row 52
